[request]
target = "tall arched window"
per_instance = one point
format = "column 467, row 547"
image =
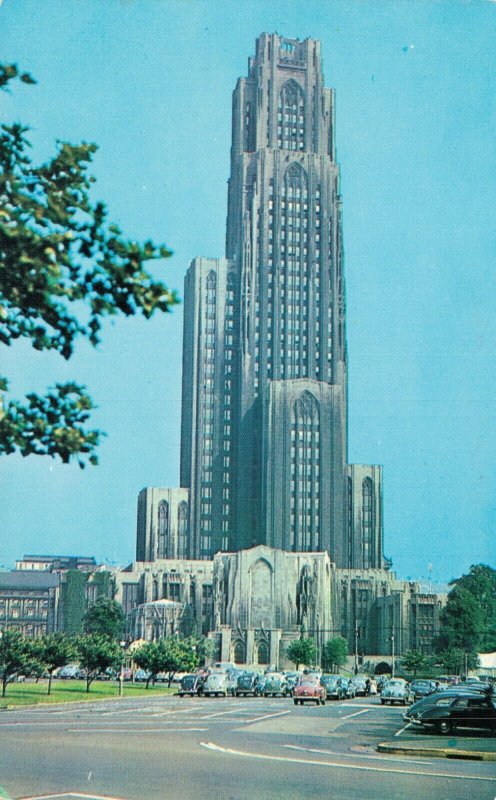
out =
column 291, row 117
column 367, row 522
column 293, row 276
column 182, row 529
column 305, row 474
column 163, row 529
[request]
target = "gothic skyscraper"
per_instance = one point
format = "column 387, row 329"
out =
column 264, row 407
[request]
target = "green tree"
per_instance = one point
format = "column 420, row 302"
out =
column 481, row 583
column 16, row 653
column 106, row 617
column 461, row 622
column 415, row 661
column 456, row 661
column 63, row 270
column 334, row 653
column 55, row 650
column 169, row 655
column 97, row 653
column 302, row 651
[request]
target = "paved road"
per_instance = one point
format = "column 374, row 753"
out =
column 230, row 749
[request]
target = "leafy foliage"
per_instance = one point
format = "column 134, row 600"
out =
column 414, row 661
column 55, row 650
column 64, row 270
column 302, row 651
column 166, row 655
column 16, row 652
column 105, row 617
column 334, row 653
column 96, row 654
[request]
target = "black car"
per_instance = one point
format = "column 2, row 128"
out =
column 248, row 683
column 334, row 686
column 445, row 711
column 422, row 688
column 191, row 684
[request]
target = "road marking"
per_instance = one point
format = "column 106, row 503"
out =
column 354, row 755
column 398, row 733
column 359, row 767
column 134, row 730
column 356, row 714
column 221, row 713
column 71, row 794
column 266, row 716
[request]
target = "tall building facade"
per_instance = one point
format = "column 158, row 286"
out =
column 264, row 406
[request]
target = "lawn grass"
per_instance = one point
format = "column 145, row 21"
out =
column 24, row 694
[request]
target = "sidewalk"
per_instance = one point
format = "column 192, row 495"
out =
column 470, row 746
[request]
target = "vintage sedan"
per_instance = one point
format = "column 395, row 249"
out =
column 334, row 686
column 216, row 684
column 397, row 690
column 248, row 683
column 275, row 684
column 449, row 710
column 422, row 688
column 309, row 690
column 191, row 685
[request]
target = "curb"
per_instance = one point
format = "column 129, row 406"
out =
column 437, row 752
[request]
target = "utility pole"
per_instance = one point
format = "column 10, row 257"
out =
column 357, row 634
column 392, row 651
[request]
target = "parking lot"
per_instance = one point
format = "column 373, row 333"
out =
column 228, row 748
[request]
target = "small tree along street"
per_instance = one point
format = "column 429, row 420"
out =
column 169, row 655
column 97, row 653
column 55, row 650
column 334, row 653
column 16, row 651
column 302, row 651
column 63, row 270
column 414, row 661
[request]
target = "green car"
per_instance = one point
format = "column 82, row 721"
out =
column 275, row 684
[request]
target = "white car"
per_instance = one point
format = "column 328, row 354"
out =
column 397, row 690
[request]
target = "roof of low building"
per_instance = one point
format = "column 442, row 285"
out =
column 28, row 580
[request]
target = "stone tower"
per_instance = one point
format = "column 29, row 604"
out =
column 264, row 425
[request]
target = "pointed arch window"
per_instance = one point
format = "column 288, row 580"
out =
column 305, row 474
column 182, row 529
column 291, row 117
column 163, row 529
column 367, row 522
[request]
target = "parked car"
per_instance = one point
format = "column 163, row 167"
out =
column 292, row 679
column 349, row 687
column 69, row 672
column 449, row 710
column 127, row 674
column 275, row 684
column 309, row 690
column 248, row 683
column 216, row 684
column 360, row 684
column 140, row 676
column 334, row 686
column 422, row 688
column 191, row 684
column 397, row 690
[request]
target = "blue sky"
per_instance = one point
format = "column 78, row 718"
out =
column 150, row 82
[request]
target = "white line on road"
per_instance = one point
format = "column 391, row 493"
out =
column 141, row 731
column 359, row 767
column 266, row 716
column 398, row 733
column 70, row 794
column 354, row 755
column 221, row 713
column 356, row 713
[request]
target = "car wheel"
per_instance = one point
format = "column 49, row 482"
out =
column 323, row 702
column 444, row 726
column 383, row 702
column 295, row 702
